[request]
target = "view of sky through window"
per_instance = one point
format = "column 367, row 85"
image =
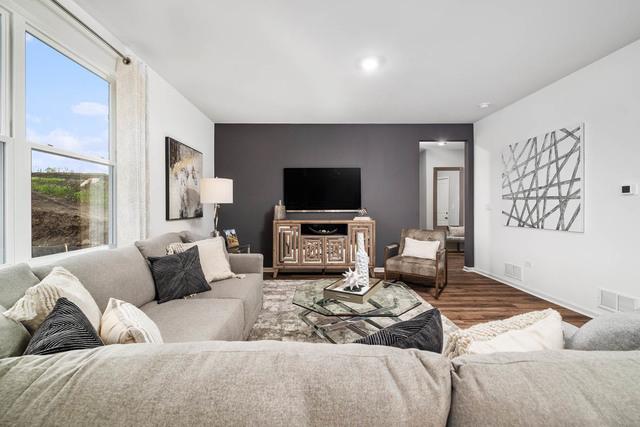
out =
column 67, row 107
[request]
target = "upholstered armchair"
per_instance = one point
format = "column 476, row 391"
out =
column 456, row 235
column 397, row 265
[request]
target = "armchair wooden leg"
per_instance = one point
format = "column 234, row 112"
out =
column 446, row 270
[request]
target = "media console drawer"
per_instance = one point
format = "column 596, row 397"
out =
column 316, row 244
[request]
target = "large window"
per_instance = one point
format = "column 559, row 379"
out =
column 67, row 127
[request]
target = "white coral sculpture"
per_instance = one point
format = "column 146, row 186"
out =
column 350, row 280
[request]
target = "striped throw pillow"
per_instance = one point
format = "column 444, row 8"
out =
column 65, row 328
column 423, row 332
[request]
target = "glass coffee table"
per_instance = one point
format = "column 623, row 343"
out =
column 325, row 315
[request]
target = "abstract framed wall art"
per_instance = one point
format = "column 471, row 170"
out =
column 184, row 171
column 543, row 181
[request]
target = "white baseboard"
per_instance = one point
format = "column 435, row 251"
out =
column 562, row 303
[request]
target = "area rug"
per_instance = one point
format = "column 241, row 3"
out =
column 279, row 319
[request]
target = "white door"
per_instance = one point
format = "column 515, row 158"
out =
column 442, row 209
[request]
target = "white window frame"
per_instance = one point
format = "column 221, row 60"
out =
column 16, row 22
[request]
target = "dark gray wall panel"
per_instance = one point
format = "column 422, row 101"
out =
column 254, row 155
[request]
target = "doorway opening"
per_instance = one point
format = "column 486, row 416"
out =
column 443, row 190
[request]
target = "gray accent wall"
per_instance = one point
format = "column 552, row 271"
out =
column 254, row 156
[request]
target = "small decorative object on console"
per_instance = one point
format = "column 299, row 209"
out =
column 279, row 211
column 363, row 215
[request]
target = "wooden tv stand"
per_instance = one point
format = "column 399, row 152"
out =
column 298, row 245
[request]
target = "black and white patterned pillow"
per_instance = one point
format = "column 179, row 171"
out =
column 178, row 275
column 65, row 328
column 423, row 332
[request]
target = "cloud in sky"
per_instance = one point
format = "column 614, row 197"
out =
column 96, row 146
column 90, row 109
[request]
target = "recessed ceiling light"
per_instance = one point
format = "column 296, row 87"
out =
column 484, row 104
column 442, row 143
column 370, row 64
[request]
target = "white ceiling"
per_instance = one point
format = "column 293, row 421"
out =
column 296, row 61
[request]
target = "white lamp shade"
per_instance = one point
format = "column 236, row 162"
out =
column 216, row 190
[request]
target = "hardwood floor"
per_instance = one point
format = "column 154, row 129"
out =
column 470, row 298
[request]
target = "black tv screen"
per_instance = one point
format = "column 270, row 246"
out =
column 322, row 189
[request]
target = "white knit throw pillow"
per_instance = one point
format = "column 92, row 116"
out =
column 534, row 331
column 38, row 301
column 124, row 323
column 213, row 259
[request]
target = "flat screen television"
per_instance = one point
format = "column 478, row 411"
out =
column 322, row 189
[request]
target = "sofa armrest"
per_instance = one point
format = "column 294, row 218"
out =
column 568, row 331
column 246, row 263
column 391, row 250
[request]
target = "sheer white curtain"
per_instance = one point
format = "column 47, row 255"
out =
column 131, row 177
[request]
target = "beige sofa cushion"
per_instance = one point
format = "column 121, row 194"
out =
column 157, row 246
column 115, row 273
column 184, row 320
column 14, row 337
column 14, row 281
column 228, row 384
column 551, row 388
column 248, row 290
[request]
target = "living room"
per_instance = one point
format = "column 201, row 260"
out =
column 241, row 213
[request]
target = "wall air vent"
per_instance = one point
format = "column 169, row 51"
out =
column 626, row 303
column 613, row 301
column 513, row 271
column 608, row 300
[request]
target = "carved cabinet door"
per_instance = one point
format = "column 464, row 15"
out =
column 336, row 250
column 367, row 230
column 288, row 249
column 312, row 250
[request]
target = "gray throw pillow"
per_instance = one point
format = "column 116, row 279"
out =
column 423, row 332
column 14, row 337
column 177, row 276
column 66, row 328
column 157, row 246
column 609, row 332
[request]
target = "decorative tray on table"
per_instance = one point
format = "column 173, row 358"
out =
column 337, row 290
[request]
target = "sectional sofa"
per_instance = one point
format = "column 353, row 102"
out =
column 227, row 312
column 204, row 374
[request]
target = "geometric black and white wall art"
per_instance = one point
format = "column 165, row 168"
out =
column 543, row 181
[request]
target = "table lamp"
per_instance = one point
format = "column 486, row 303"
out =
column 216, row 191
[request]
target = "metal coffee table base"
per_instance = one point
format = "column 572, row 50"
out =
column 344, row 322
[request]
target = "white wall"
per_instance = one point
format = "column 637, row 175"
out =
column 169, row 113
column 569, row 268
column 429, row 159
